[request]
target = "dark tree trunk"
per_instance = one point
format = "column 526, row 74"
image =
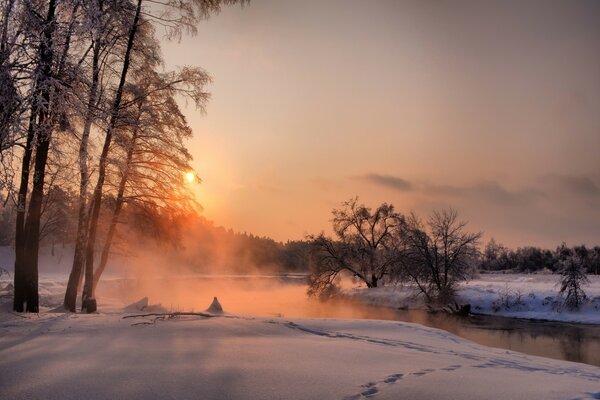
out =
column 27, row 253
column 97, row 196
column 19, row 278
column 27, row 248
column 32, row 224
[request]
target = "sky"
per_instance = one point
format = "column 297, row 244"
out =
column 492, row 108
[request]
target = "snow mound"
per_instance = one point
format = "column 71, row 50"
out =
column 142, row 305
column 215, row 307
column 8, row 288
column 58, row 309
column 139, row 305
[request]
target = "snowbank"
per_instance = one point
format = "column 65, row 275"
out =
column 508, row 295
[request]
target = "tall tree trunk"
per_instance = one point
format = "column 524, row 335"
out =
column 97, row 196
column 70, row 300
column 19, row 278
column 30, row 234
column 374, row 281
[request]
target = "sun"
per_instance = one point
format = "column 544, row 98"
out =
column 190, row 177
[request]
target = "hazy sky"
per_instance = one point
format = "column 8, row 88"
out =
column 492, row 108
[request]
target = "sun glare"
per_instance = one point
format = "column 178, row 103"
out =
column 190, row 177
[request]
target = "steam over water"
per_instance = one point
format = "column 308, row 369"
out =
column 244, row 295
column 275, row 296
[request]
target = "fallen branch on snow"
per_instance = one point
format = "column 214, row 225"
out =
column 170, row 315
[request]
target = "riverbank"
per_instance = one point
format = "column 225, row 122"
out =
column 532, row 296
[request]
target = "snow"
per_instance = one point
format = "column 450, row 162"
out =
column 215, row 307
column 104, row 356
column 142, row 305
column 116, row 355
column 532, row 296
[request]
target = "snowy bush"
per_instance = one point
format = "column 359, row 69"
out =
column 509, row 300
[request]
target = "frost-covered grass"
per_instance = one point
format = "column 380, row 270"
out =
column 532, row 296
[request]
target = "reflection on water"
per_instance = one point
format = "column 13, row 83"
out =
column 286, row 297
column 563, row 341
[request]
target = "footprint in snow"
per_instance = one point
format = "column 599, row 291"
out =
column 370, row 391
column 392, row 378
column 451, row 368
column 370, row 388
column 589, row 396
column 423, row 372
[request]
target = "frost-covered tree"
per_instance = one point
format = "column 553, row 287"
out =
column 573, row 277
column 175, row 16
column 47, row 29
column 10, row 63
column 105, row 37
column 63, row 69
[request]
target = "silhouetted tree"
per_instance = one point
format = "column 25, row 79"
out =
column 439, row 254
column 365, row 246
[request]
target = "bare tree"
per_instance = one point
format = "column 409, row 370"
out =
column 365, row 246
column 439, row 254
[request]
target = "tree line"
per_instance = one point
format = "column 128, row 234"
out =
column 86, row 105
column 496, row 257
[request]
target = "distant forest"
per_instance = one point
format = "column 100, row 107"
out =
column 189, row 239
column 496, row 257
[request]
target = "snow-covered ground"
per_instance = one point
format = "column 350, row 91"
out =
column 105, row 356
column 57, row 355
column 532, row 296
